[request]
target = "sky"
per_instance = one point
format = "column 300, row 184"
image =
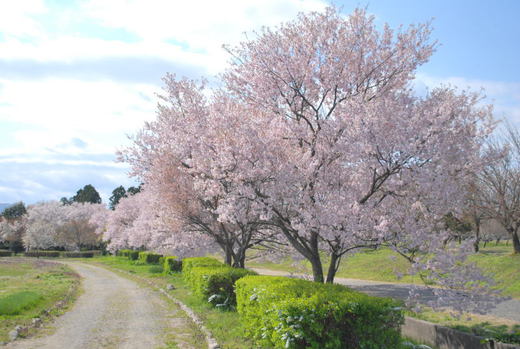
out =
column 78, row 77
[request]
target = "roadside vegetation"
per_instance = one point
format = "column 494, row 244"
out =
column 496, row 261
column 224, row 322
column 32, row 289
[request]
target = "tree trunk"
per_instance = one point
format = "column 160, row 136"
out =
column 239, row 260
column 516, row 242
column 229, row 255
column 477, row 237
column 317, row 269
column 333, row 267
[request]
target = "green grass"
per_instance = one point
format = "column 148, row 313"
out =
column 498, row 262
column 28, row 288
column 16, row 303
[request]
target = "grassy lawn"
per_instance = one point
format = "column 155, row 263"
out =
column 28, row 288
column 224, row 325
column 382, row 265
column 504, row 267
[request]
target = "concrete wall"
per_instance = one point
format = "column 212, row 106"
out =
column 446, row 338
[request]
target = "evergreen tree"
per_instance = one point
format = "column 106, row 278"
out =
column 87, row 194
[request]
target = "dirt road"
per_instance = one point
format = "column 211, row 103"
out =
column 112, row 312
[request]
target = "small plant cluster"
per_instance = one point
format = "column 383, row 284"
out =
column 213, row 280
column 149, row 258
column 5, row 253
column 172, row 264
column 142, row 257
column 283, row 312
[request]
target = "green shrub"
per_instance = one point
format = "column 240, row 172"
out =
column 94, row 252
column 123, row 253
column 172, row 264
column 83, row 254
column 192, row 262
column 133, row 255
column 38, row 254
column 5, row 253
column 292, row 313
column 216, row 283
column 15, row 303
column 149, row 258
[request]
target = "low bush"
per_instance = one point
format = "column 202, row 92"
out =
column 281, row 312
column 38, row 254
column 94, row 252
column 172, row 264
column 192, row 262
column 123, row 253
column 82, row 254
column 5, row 253
column 133, row 255
column 216, row 283
column 149, row 258
column 15, row 303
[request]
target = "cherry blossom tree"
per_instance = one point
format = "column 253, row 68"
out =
column 12, row 232
column 77, row 230
column 498, row 193
column 43, row 223
column 358, row 150
column 188, row 156
column 316, row 135
column 52, row 224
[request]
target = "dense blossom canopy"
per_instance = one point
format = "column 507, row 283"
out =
column 317, row 140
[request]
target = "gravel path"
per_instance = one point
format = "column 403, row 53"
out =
column 112, row 312
column 509, row 309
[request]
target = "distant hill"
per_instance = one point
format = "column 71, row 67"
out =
column 3, row 207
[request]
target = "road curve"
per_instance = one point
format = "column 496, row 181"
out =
column 112, row 312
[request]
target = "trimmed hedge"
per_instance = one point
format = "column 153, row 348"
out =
column 133, row 255
column 172, row 264
column 53, row 254
column 82, row 254
column 149, row 258
column 5, row 253
column 123, row 253
column 94, row 252
column 216, row 283
column 192, row 262
column 282, row 312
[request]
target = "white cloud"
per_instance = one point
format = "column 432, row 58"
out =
column 17, row 21
column 183, row 32
column 100, row 113
column 505, row 96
